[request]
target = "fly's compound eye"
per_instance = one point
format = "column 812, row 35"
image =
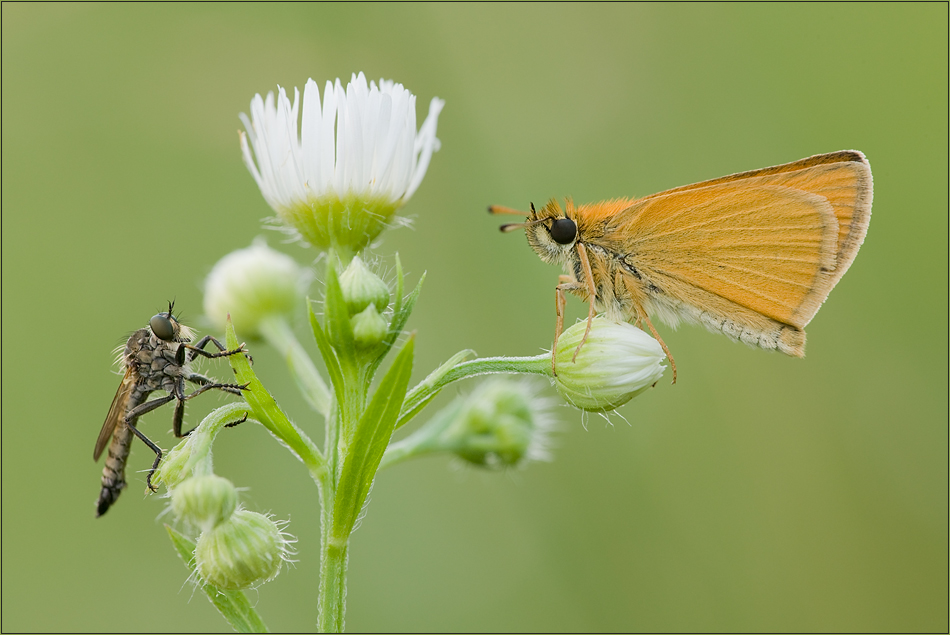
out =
column 162, row 327
column 563, row 231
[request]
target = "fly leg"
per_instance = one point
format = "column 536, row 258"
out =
column 236, row 423
column 201, row 380
column 199, row 349
column 205, row 383
column 130, row 420
column 158, row 456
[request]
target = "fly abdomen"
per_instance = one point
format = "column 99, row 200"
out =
column 113, row 474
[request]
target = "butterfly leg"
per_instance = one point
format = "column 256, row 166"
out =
column 659, row 339
column 591, row 290
column 565, row 283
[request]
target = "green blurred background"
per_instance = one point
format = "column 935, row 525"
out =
column 759, row 493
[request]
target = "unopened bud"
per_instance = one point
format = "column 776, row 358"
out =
column 205, row 501
column 252, row 284
column 369, row 327
column 500, row 424
column 243, row 551
column 361, row 287
column 616, row 363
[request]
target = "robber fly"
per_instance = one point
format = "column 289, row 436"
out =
column 157, row 357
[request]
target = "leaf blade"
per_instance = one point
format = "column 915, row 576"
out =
column 373, row 432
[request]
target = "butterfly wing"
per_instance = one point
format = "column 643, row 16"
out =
column 774, row 241
column 843, row 178
column 116, row 412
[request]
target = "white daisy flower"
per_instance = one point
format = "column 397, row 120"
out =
column 357, row 158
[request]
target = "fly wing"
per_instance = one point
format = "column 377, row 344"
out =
column 116, row 412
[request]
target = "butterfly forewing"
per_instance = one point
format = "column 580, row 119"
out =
column 723, row 239
column 844, row 178
column 775, row 240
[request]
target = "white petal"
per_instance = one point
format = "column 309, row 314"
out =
column 361, row 140
column 402, row 158
column 426, row 144
column 327, row 148
column 310, row 131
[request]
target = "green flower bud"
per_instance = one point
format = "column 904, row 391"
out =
column 243, row 551
column 616, row 363
column 252, row 284
column 369, row 327
column 500, row 424
column 361, row 287
column 205, row 501
column 176, row 466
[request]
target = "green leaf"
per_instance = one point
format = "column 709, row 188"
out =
column 401, row 316
column 269, row 413
column 369, row 444
column 402, row 309
column 233, row 605
column 330, row 358
column 400, row 280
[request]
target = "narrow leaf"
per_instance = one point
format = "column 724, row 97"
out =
column 369, row 443
column 401, row 312
column 402, row 316
column 269, row 413
column 400, row 280
column 233, row 605
column 330, row 359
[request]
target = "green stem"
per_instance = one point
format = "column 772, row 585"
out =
column 402, row 450
column 425, row 391
column 333, row 588
column 278, row 334
column 331, row 597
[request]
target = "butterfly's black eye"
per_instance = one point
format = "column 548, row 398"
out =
column 563, row 231
column 162, row 326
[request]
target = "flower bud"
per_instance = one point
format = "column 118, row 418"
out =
column 369, row 327
column 176, row 466
column 616, row 363
column 243, row 551
column 205, row 501
column 500, row 424
column 361, row 287
column 252, row 284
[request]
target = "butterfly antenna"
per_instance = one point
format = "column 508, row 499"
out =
column 500, row 209
column 510, row 227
